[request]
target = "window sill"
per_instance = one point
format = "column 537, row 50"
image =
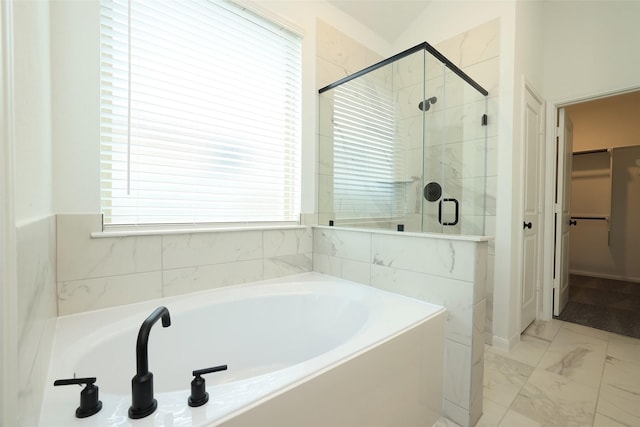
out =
column 169, row 231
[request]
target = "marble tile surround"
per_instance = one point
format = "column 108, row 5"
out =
column 477, row 53
column 37, row 311
column 449, row 272
column 103, row 272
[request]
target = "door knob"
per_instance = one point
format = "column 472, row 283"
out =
column 528, row 225
column 573, row 222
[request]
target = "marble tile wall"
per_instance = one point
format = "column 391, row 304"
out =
column 337, row 56
column 476, row 52
column 468, row 157
column 103, row 272
column 446, row 271
column 37, row 311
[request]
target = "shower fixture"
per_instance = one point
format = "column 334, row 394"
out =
column 426, row 104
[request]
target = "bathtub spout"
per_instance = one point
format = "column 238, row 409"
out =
column 142, row 401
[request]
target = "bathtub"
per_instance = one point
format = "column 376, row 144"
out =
column 305, row 350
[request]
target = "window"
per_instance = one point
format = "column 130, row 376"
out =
column 199, row 114
column 366, row 159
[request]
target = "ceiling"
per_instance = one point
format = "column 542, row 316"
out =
column 388, row 18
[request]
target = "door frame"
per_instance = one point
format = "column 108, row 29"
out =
column 8, row 260
column 551, row 168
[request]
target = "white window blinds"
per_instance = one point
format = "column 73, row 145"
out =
column 200, row 114
column 365, row 155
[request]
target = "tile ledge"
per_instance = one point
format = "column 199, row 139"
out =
column 463, row 237
column 169, row 231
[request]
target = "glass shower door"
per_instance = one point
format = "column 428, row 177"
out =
column 455, row 154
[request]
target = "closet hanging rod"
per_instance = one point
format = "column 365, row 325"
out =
column 599, row 150
column 599, row 218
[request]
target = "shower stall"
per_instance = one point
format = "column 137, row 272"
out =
column 403, row 146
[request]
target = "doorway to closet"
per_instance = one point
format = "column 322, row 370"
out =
column 604, row 248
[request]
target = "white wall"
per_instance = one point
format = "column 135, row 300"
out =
column 30, row 299
column 75, row 77
column 590, row 47
column 32, row 110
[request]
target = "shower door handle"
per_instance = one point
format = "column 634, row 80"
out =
column 457, row 206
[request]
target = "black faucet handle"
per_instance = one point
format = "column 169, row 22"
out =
column 89, row 400
column 199, row 395
column 209, row 370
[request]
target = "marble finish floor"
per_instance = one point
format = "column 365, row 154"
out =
column 562, row 374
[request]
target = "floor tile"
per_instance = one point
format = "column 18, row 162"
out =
column 513, row 419
column 445, row 422
column 552, row 400
column 529, row 350
column 576, row 356
column 604, row 421
column 624, row 348
column 545, row 330
column 503, row 378
column 492, row 414
column 619, row 397
column 585, row 330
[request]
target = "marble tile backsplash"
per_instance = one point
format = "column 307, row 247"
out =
column 37, row 311
column 447, row 271
column 103, row 272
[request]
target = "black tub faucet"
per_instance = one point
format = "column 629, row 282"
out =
column 142, row 401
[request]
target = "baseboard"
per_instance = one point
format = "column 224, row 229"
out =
column 605, row 276
column 505, row 344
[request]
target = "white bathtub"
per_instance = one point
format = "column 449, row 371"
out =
column 304, row 350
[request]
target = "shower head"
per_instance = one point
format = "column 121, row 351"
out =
column 426, row 104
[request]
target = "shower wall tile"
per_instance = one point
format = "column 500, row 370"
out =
column 77, row 296
column 340, row 54
column 474, row 46
column 492, row 156
column 439, row 257
column 325, row 195
column 409, row 71
column 187, row 262
column 286, row 265
column 352, row 245
column 409, row 129
column 326, row 108
column 337, row 48
column 450, row 272
column 81, row 257
column 192, row 279
column 456, row 295
column 486, row 74
column 457, row 382
column 36, row 311
column 194, row 249
column 325, row 155
column 406, row 101
column 328, row 72
column 287, row 242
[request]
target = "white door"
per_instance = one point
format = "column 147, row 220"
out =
column 532, row 209
column 564, row 138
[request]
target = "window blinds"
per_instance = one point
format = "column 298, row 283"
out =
column 365, row 156
column 200, row 114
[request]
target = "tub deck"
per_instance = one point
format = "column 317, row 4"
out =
column 301, row 348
